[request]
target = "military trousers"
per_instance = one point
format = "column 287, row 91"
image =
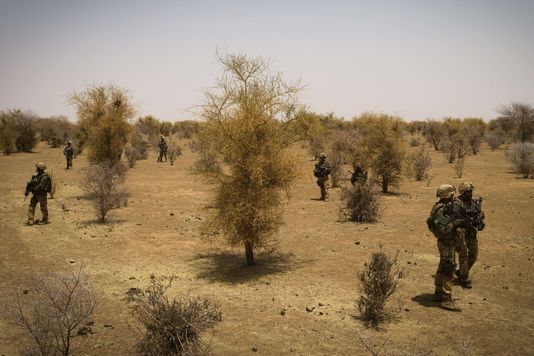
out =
column 445, row 272
column 69, row 161
column 467, row 249
column 322, row 183
column 41, row 199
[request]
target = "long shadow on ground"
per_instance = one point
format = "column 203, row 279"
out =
column 426, row 300
column 230, row 267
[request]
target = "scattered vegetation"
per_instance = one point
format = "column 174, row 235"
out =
column 174, row 152
column 103, row 182
column 522, row 117
column 17, row 131
column 54, row 310
column 378, row 282
column 172, row 326
column 360, row 203
column 421, row 163
column 521, row 156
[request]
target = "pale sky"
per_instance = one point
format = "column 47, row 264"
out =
column 417, row 59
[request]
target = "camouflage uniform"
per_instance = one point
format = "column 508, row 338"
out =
column 69, row 153
column 444, row 224
column 466, row 234
column 359, row 175
column 39, row 186
column 321, row 172
column 162, row 150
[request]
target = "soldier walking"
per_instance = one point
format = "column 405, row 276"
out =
column 359, row 174
column 40, row 185
column 470, row 211
column 162, row 150
column 68, row 151
column 443, row 225
column 321, row 172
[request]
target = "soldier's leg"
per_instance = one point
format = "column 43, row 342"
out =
column 462, row 250
column 31, row 209
column 44, row 208
column 444, row 274
column 472, row 247
column 323, row 190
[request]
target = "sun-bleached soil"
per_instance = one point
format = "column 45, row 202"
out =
column 316, row 264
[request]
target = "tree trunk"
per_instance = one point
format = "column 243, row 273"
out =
column 384, row 184
column 249, row 251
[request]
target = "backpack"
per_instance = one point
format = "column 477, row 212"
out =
column 431, row 221
column 48, row 184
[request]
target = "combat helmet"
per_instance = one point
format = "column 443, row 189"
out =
column 445, row 191
column 40, row 166
column 465, row 186
column 322, row 155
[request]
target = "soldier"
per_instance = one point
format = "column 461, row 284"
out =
column 443, row 224
column 69, row 153
column 162, row 150
column 40, row 185
column 467, row 244
column 321, row 171
column 359, row 174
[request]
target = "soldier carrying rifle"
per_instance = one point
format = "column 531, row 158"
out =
column 470, row 211
column 40, row 185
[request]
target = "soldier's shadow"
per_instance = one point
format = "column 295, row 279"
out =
column 230, row 267
column 426, row 300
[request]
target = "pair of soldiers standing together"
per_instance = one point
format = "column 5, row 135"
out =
column 455, row 222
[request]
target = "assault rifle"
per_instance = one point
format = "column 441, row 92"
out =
column 475, row 221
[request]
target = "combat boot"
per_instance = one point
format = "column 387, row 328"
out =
column 466, row 284
column 449, row 304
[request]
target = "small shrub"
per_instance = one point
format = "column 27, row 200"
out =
column 421, row 162
column 140, row 146
column 521, row 155
column 378, row 282
column 414, row 142
column 494, row 139
column 174, row 151
column 54, row 309
column 172, row 326
column 360, row 203
column 55, row 185
column 459, row 167
column 131, row 155
column 207, row 163
column 103, row 182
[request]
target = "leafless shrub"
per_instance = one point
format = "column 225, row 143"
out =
column 174, row 151
column 414, row 142
column 172, row 326
column 522, row 117
column 494, row 139
column 521, row 156
column 378, row 282
column 54, row 184
column 421, row 162
column 131, row 155
column 54, row 309
column 459, row 166
column 103, row 182
column 360, row 203
column 435, row 132
column 454, row 147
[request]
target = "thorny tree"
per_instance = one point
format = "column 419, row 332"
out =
column 247, row 117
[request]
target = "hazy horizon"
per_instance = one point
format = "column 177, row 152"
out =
column 416, row 59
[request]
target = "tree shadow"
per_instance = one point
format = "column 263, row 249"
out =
column 426, row 300
column 230, row 267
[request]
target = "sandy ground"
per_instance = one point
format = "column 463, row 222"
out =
column 316, row 267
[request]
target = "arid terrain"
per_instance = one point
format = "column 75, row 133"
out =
column 318, row 258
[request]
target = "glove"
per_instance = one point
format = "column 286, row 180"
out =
column 481, row 226
column 449, row 228
column 26, row 193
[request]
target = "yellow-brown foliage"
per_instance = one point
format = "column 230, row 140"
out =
column 104, row 112
column 247, row 125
